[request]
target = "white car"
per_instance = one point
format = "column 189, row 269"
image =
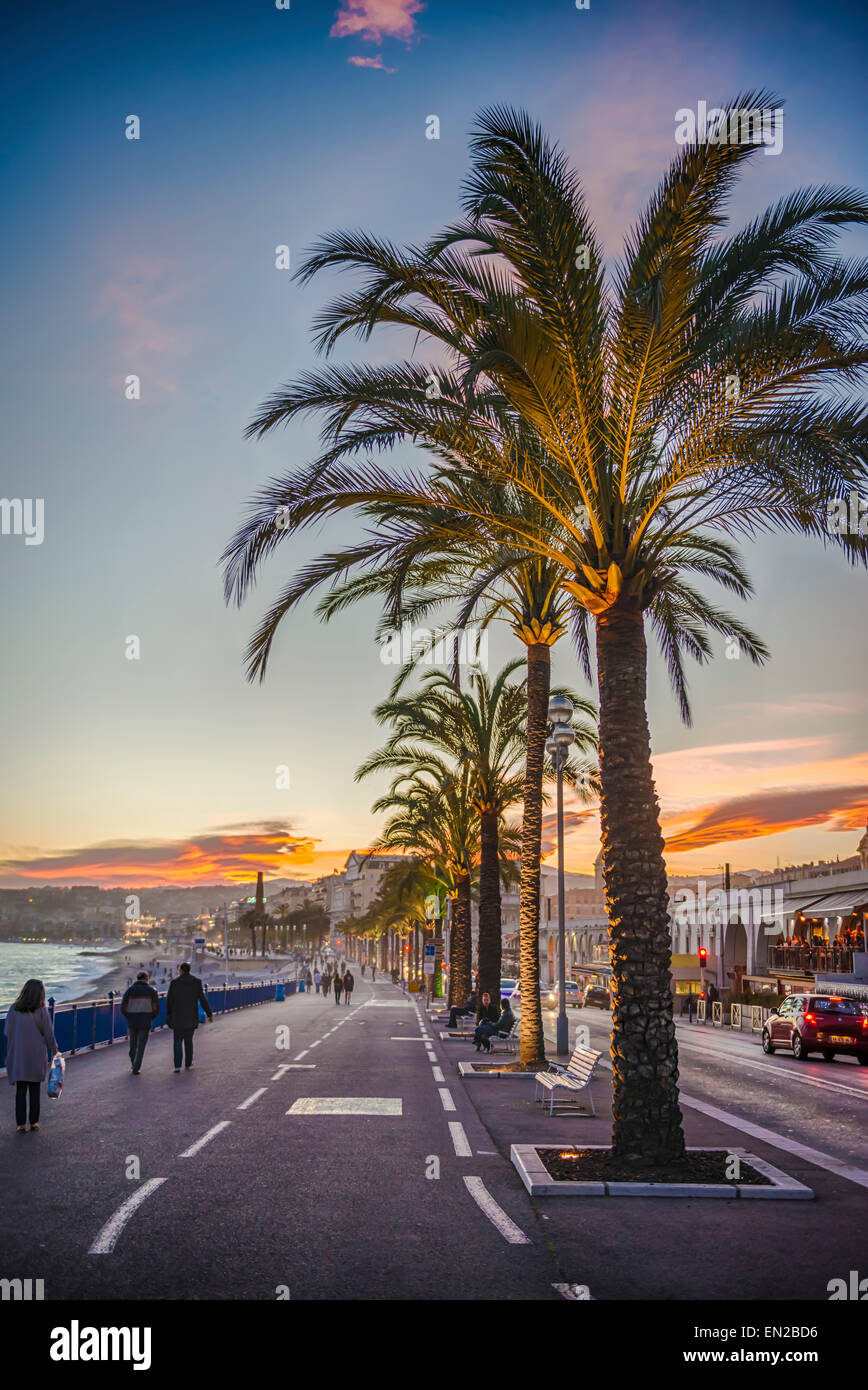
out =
column 573, row 992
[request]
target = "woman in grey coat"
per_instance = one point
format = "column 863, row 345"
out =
column 30, row 1046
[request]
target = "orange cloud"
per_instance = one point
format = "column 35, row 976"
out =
column 377, row 19
column 768, row 812
column 230, row 854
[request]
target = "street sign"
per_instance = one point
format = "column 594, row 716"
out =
column 429, row 962
column 198, row 941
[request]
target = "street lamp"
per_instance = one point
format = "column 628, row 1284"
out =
column 558, row 747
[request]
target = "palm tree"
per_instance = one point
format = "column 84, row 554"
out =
column 433, row 819
column 685, row 401
column 461, row 538
column 482, row 730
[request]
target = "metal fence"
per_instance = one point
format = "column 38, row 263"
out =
column 99, row 1022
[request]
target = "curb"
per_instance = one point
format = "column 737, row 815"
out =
column 539, row 1183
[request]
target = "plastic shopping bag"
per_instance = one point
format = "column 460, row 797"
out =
column 55, row 1076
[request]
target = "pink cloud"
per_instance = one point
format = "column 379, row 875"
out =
column 377, row 19
column 370, row 63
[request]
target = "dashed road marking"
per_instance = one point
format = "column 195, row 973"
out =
column 206, row 1139
column 460, row 1140
column 446, row 1098
column 438, row 1074
column 107, row 1238
column 511, row 1233
column 245, row 1104
column 302, row 1054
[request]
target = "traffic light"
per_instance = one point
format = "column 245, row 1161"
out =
column 703, row 956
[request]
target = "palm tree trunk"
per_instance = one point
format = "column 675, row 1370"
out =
column 532, row 1042
column 490, row 941
column 459, row 944
column 647, row 1118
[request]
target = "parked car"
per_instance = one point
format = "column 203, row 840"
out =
column 823, row 1023
column 511, row 990
column 573, row 995
column 596, row 996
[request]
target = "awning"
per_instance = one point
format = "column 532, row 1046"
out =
column 836, row 904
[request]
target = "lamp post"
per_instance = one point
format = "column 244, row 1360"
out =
column 558, row 747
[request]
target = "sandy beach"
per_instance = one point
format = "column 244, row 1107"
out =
column 131, row 959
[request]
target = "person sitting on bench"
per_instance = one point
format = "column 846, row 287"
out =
column 468, row 1009
column 486, row 1030
column 489, row 1020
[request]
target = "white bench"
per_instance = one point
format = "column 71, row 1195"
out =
column 575, row 1076
column 505, row 1040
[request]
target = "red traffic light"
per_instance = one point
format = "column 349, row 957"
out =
column 703, row 955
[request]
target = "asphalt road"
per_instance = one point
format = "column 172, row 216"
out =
column 313, row 1206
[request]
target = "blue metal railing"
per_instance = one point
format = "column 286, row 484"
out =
column 99, row 1022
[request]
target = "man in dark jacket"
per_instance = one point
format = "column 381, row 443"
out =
column 469, row 1008
column 487, row 1012
column 139, row 1006
column 182, row 1013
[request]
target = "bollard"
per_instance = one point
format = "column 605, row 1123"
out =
column 735, row 1016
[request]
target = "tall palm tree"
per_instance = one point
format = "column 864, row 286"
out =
column 481, row 728
column 461, row 539
column 433, row 819
column 701, row 393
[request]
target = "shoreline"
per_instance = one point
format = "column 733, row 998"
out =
column 211, row 973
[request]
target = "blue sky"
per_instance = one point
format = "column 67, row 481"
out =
column 155, row 257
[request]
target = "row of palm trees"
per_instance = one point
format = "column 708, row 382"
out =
column 585, row 468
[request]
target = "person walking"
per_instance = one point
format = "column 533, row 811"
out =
column 317, row 980
column 326, row 983
column 182, row 1013
column 349, row 985
column 338, row 985
column 139, row 1006
column 30, row 1046
column 373, row 974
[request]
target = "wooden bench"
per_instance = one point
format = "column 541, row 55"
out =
column 505, row 1040
column 575, row 1076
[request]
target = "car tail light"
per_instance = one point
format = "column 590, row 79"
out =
column 865, row 1021
column 810, row 1018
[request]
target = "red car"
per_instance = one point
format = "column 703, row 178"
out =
column 818, row 1023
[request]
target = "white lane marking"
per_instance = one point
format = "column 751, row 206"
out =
column 245, row 1104
column 300, row 1066
column 432, row 1055
column 459, row 1139
column 206, row 1139
column 438, row 1075
column 578, row 1292
column 315, row 1044
column 302, row 1054
column 393, row 1039
column 446, row 1098
column 496, row 1215
column 346, row 1105
column 771, row 1069
column 107, row 1238
column 284, row 1066
column 780, row 1141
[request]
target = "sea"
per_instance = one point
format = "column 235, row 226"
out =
column 64, row 971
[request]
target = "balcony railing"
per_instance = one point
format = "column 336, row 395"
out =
column 824, row 960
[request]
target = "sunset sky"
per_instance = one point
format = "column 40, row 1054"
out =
column 156, row 257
